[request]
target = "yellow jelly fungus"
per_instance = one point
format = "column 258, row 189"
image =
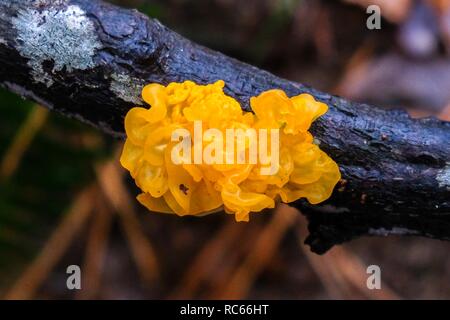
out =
column 303, row 171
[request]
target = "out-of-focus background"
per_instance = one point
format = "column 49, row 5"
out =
column 65, row 201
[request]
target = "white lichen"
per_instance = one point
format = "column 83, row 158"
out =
column 3, row 41
column 127, row 88
column 443, row 177
column 64, row 37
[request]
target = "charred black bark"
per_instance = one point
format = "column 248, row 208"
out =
column 396, row 170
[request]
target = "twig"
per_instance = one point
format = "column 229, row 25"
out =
column 209, row 258
column 110, row 179
column 264, row 248
column 22, row 140
column 238, row 252
column 96, row 250
column 395, row 168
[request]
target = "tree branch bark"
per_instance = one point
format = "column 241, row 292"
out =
column 89, row 60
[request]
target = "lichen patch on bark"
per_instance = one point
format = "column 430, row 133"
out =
column 63, row 37
column 443, row 177
column 127, row 88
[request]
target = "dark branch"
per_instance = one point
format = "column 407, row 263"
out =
column 88, row 59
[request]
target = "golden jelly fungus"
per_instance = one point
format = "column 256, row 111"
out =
column 302, row 169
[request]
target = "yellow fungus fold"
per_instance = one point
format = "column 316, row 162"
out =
column 303, row 170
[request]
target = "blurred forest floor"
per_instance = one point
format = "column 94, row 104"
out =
column 64, row 200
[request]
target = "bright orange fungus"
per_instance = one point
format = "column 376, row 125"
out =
column 304, row 171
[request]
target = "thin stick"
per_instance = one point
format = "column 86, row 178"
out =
column 265, row 247
column 96, row 250
column 22, row 141
column 238, row 251
column 110, row 179
column 206, row 261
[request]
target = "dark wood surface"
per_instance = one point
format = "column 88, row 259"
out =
column 88, row 60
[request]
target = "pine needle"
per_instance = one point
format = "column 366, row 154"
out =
column 110, row 179
column 22, row 141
